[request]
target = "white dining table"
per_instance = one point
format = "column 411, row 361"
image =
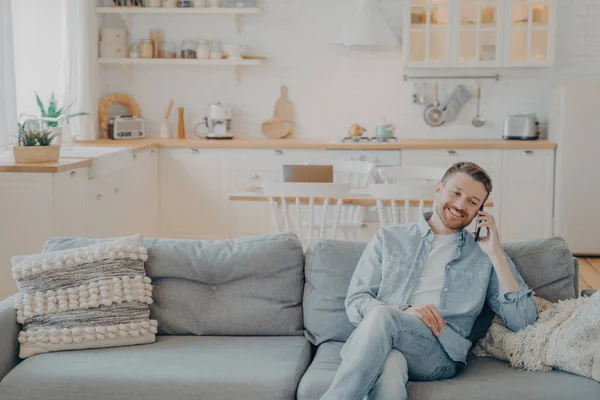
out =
column 357, row 197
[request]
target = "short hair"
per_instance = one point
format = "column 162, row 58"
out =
column 474, row 171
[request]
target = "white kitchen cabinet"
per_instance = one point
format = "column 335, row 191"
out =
column 428, row 33
column 107, row 206
column 247, row 218
column 142, row 185
column 27, row 220
column 193, row 196
column 530, row 28
column 479, row 33
column 119, row 204
column 527, row 198
column 70, row 211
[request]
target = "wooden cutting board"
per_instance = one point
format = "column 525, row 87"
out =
column 280, row 126
column 283, row 106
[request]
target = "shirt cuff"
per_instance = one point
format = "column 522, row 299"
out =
column 512, row 297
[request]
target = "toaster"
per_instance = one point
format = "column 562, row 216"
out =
column 126, row 127
column 521, row 127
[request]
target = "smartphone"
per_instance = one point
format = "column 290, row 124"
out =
column 479, row 227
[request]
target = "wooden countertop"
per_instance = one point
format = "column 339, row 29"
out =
column 66, row 164
column 326, row 144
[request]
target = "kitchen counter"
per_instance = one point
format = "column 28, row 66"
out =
column 246, row 143
column 64, row 164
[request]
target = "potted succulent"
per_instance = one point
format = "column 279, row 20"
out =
column 35, row 145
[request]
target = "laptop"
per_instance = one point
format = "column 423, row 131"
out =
column 308, row 173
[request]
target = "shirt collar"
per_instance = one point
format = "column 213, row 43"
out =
column 424, row 228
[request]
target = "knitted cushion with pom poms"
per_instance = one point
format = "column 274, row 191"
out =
column 90, row 297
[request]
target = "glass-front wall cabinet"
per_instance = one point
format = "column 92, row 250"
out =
column 479, row 33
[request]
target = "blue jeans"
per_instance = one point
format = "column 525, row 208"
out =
column 388, row 348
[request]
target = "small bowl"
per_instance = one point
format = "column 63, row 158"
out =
column 235, row 51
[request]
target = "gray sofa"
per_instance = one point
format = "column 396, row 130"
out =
column 256, row 318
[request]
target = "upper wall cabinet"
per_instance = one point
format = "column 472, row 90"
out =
column 530, row 28
column 427, row 33
column 479, row 33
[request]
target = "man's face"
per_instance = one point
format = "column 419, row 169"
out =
column 458, row 200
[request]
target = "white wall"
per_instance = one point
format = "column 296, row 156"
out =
column 332, row 87
column 37, row 27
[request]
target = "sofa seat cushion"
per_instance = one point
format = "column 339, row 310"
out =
column 484, row 378
column 321, row 371
column 175, row 367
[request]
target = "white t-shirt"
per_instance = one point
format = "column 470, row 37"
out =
column 431, row 281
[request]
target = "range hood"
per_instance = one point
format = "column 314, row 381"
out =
column 365, row 28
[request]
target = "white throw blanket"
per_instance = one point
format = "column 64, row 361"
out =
column 565, row 336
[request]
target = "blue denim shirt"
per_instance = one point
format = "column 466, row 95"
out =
column 389, row 269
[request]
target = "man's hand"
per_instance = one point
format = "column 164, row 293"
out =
column 490, row 244
column 430, row 317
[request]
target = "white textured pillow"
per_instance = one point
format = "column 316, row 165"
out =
column 90, row 297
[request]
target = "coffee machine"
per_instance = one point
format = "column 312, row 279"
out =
column 218, row 122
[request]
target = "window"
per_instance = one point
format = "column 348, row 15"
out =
column 38, row 39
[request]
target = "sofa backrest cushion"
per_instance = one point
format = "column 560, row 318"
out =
column 249, row 286
column 329, row 268
column 546, row 266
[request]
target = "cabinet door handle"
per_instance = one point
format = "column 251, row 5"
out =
column 528, row 153
column 254, row 177
column 362, row 158
column 278, row 152
column 99, row 196
column 73, row 174
column 194, row 151
column 153, row 151
column 117, row 190
column 135, row 156
column 451, row 152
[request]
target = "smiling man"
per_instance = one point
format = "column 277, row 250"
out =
column 418, row 289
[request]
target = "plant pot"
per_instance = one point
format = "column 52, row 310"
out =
column 35, row 154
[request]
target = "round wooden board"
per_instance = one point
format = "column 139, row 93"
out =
column 277, row 128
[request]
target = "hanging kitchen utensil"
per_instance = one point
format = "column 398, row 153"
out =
column 422, row 96
column 478, row 121
column 460, row 95
column 416, row 92
column 433, row 113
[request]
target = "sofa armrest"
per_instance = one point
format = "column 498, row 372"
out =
column 588, row 292
column 9, row 332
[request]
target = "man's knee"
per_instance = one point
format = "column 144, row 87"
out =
column 380, row 314
column 389, row 315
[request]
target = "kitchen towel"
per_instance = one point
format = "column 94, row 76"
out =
column 460, row 95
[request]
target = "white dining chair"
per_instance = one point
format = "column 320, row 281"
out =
column 357, row 174
column 281, row 194
column 409, row 197
column 410, row 174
